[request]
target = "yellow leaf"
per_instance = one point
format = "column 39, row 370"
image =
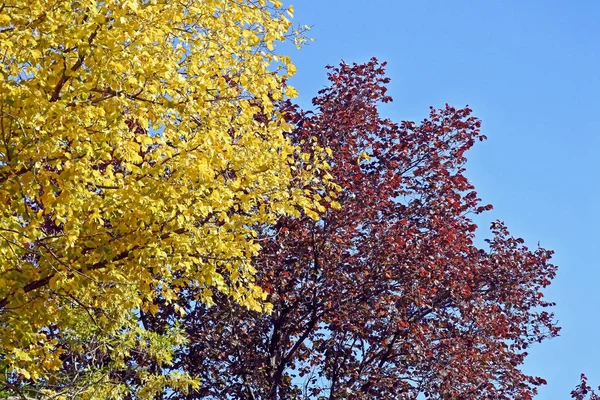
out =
column 21, row 355
column 137, row 161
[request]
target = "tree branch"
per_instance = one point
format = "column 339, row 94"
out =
column 65, row 78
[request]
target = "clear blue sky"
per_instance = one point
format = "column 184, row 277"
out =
column 531, row 71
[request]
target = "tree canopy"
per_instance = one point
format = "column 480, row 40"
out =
column 173, row 226
column 388, row 297
column 133, row 164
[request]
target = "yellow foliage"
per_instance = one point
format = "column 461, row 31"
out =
column 131, row 161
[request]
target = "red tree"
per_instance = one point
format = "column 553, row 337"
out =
column 387, row 298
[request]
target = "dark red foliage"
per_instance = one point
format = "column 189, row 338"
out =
column 583, row 390
column 387, row 298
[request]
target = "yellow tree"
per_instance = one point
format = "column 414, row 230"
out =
column 139, row 150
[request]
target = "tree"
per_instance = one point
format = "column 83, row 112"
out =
column 132, row 164
column 389, row 297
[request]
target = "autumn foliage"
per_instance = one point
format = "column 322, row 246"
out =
column 172, row 226
column 584, row 391
column 132, row 166
column 389, row 297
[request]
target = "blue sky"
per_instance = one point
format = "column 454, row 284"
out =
column 531, row 71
